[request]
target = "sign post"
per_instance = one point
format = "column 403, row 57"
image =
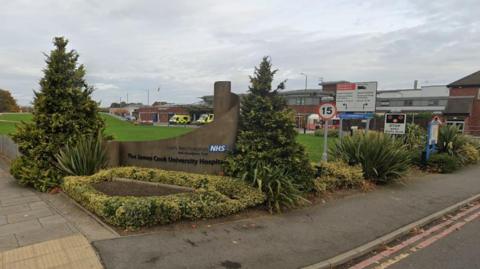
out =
column 326, row 112
column 358, row 97
column 432, row 137
column 395, row 123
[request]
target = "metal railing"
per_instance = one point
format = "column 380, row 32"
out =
column 8, row 148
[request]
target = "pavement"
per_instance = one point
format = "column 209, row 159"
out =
column 297, row 238
column 28, row 218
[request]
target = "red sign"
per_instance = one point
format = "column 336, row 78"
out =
column 346, row 86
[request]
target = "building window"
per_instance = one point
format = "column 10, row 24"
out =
column 433, row 102
column 408, row 103
column 385, row 103
column 300, row 101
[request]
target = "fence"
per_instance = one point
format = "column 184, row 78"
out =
column 8, row 148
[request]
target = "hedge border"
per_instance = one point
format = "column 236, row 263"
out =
column 213, row 196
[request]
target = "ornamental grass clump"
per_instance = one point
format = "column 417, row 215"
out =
column 382, row 157
column 85, row 157
column 278, row 184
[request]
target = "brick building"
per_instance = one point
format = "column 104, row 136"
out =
column 162, row 112
column 159, row 114
column 463, row 107
column 304, row 103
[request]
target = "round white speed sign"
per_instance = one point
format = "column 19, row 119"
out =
column 327, row 111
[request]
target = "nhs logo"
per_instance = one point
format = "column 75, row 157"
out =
column 217, row 148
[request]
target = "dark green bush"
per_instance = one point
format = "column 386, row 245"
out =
column 332, row 176
column 330, row 132
column 381, row 156
column 267, row 133
column 85, row 157
column 443, row 163
column 213, row 196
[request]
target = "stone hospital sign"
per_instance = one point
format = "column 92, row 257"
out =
column 200, row 151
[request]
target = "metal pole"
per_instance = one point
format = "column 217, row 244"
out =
column 367, row 128
column 325, row 142
column 306, row 80
column 340, row 129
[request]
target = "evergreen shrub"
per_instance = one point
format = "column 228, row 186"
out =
column 444, row 163
column 267, row 136
column 335, row 175
column 63, row 111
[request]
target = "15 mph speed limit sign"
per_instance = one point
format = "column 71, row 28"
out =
column 327, row 111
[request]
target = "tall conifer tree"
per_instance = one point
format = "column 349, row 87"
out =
column 267, row 130
column 63, row 111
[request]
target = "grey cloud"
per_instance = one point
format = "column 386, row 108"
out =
column 185, row 46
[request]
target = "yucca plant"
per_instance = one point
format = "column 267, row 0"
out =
column 86, row 157
column 381, row 156
column 450, row 140
column 278, row 184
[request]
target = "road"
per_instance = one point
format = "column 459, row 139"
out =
column 451, row 243
column 460, row 249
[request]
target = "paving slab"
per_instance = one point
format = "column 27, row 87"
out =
column 52, row 220
column 29, row 215
column 8, row 242
column 19, row 200
column 52, row 231
column 38, row 205
column 6, row 210
column 14, row 228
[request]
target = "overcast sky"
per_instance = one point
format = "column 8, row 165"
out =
column 129, row 46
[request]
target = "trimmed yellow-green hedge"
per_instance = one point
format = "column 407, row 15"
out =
column 213, row 196
column 337, row 175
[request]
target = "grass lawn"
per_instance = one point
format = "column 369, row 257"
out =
column 9, row 120
column 121, row 130
column 126, row 131
column 314, row 145
column 16, row 117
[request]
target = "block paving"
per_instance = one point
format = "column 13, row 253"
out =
column 40, row 230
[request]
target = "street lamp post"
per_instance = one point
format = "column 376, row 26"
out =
column 148, row 97
column 306, row 80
